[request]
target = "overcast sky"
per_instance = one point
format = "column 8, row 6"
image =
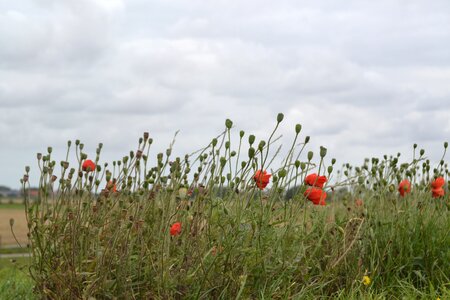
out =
column 364, row 78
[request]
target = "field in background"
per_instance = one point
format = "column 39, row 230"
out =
column 17, row 212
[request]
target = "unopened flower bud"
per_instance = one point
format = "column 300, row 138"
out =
column 445, row 145
column 251, row 139
column 310, row 155
column 49, row 149
column 307, row 138
column 146, row 135
column 323, row 152
column 241, row 133
column 251, row 152
column 39, row 156
column 280, row 117
column 298, row 128
column 261, row 145
column 228, row 123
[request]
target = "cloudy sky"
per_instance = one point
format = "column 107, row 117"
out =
column 363, row 77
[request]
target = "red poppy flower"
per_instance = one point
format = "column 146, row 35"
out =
column 359, row 202
column 261, row 179
column 175, row 229
column 316, row 195
column 438, row 183
column 88, row 165
column 315, row 180
column 404, row 187
column 111, row 186
column 439, row 192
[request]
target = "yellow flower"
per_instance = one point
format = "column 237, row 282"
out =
column 366, row 280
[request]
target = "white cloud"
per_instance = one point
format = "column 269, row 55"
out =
column 364, row 78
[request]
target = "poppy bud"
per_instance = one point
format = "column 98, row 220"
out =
column 422, row 152
column 307, row 139
column 81, row 146
column 298, row 128
column 69, row 143
column 323, row 151
column 39, row 156
column 227, row 144
column 233, row 153
column 49, row 149
column 261, row 145
column 228, row 123
column 241, row 133
column 330, row 169
column 27, row 169
column 310, row 155
column 138, row 154
column 333, row 161
column 251, row 152
column 282, row 173
column 297, row 164
column 243, row 164
column 280, row 117
column 140, row 140
column 251, row 139
column 214, row 142
column 11, row 222
column 445, row 145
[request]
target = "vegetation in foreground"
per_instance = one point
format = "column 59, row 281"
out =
column 226, row 223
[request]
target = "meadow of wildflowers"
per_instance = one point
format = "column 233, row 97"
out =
column 226, row 223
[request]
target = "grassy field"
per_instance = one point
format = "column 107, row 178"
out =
column 216, row 225
column 16, row 212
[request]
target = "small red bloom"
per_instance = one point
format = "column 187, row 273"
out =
column 111, row 186
column 316, row 195
column 439, row 192
column 261, row 179
column 175, row 229
column 404, row 187
column 315, row 180
column 438, row 183
column 88, row 165
column 359, row 202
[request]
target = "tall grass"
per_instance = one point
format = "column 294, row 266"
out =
column 106, row 233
